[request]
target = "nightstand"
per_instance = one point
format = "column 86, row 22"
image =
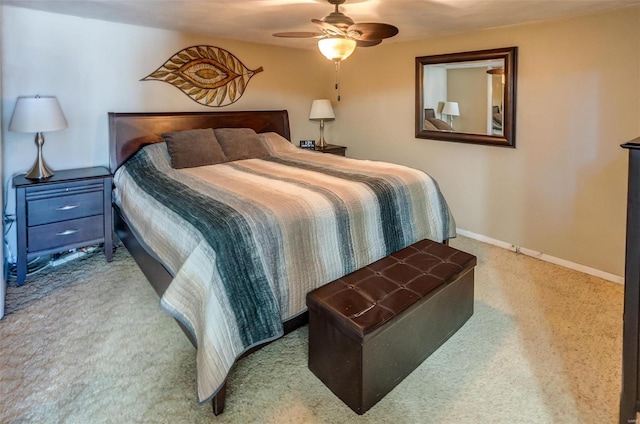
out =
column 334, row 149
column 71, row 209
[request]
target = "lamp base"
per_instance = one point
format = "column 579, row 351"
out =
column 39, row 170
column 322, row 143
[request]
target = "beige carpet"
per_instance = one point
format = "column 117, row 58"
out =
column 86, row 342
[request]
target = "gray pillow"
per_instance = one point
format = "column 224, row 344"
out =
column 429, row 126
column 440, row 124
column 241, row 143
column 192, row 148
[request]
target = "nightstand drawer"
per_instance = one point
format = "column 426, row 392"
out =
column 62, row 208
column 59, row 234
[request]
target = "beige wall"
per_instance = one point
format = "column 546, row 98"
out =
column 562, row 191
column 468, row 87
column 95, row 67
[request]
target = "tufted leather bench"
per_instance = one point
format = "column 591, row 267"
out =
column 370, row 329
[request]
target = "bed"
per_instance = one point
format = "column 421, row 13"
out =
column 432, row 123
column 233, row 248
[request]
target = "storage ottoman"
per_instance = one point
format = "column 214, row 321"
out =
column 370, row 329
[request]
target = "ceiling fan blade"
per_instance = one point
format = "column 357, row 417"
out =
column 371, row 31
column 328, row 28
column 362, row 43
column 298, row 34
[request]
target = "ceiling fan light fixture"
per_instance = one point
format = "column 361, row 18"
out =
column 336, row 48
column 495, row 71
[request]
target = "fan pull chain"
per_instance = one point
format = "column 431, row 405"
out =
column 338, row 78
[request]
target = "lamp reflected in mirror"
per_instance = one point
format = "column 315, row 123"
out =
column 451, row 109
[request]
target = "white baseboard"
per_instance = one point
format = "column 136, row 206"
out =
column 543, row 256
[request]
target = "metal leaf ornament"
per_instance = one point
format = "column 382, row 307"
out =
column 209, row 75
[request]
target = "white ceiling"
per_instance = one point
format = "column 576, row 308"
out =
column 256, row 20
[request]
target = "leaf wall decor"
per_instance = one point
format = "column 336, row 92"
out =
column 209, row 75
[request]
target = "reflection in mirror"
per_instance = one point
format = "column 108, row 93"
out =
column 467, row 97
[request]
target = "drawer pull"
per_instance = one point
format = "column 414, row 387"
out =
column 67, row 207
column 67, row 232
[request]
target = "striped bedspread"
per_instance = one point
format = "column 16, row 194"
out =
column 247, row 240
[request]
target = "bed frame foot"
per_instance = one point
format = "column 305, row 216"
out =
column 218, row 400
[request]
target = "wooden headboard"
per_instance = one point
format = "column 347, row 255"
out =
column 128, row 132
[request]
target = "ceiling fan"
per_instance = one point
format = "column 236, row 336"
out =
column 339, row 35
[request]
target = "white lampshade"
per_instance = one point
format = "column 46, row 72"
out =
column 321, row 110
column 451, row 108
column 336, row 48
column 37, row 114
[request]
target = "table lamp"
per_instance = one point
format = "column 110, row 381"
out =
column 321, row 110
column 451, row 109
column 38, row 114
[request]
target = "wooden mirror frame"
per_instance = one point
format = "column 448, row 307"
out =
column 508, row 137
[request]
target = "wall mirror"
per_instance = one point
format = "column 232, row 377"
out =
column 467, row 97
